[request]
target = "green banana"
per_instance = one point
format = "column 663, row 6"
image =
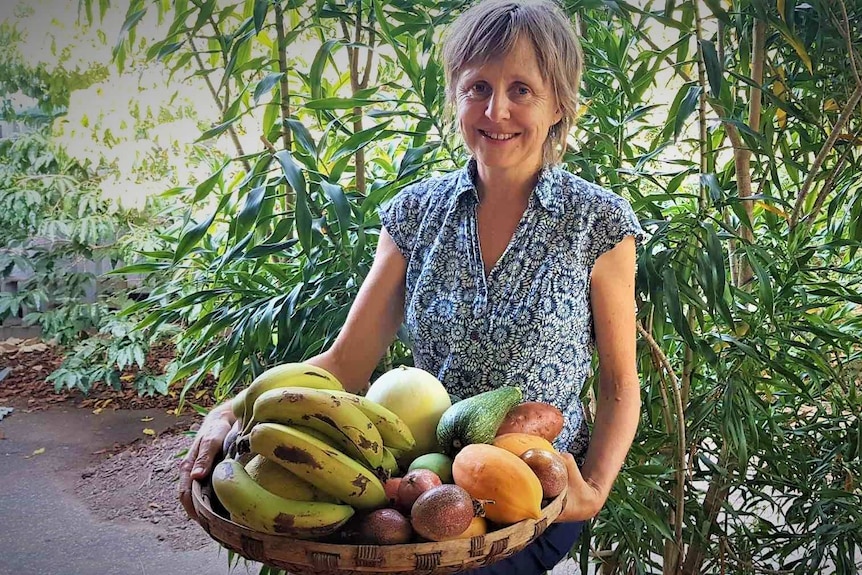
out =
column 393, row 430
column 321, row 465
column 352, row 432
column 253, row 506
column 278, row 480
column 285, row 375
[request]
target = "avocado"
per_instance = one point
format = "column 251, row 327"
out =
column 475, row 419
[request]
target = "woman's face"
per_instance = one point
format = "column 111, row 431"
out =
column 505, row 109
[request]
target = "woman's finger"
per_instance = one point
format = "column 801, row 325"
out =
column 185, row 482
column 207, row 451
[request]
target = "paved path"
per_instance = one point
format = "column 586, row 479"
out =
column 46, row 530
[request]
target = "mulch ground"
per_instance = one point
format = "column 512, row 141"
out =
column 31, row 361
column 135, row 482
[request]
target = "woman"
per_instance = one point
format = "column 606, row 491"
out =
column 508, row 270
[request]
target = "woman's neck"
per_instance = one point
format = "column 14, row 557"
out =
column 506, row 186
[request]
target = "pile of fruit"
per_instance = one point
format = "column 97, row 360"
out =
column 401, row 464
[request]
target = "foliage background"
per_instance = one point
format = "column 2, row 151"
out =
column 733, row 127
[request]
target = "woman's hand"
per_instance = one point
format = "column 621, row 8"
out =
column 584, row 500
column 200, row 459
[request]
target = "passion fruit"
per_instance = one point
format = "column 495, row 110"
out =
column 443, row 512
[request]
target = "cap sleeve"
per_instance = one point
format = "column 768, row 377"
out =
column 402, row 216
column 614, row 219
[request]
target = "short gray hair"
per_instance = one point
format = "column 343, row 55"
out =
column 491, row 28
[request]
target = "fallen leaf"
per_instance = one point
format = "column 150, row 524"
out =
column 39, row 451
column 127, row 377
column 145, row 419
column 97, row 411
column 148, row 431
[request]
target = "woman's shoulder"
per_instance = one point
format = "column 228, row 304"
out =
column 427, row 191
column 576, row 191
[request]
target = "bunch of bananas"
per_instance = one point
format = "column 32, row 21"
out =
column 320, row 453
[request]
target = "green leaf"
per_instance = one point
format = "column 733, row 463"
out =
column 236, row 250
column 342, row 207
column 686, row 108
column 315, row 75
column 191, row 237
column 265, row 85
column 764, row 281
column 674, row 306
column 303, row 219
column 359, row 140
column 302, row 135
column 248, row 216
column 263, row 250
column 411, row 162
column 713, row 67
column 430, row 89
column 293, row 174
column 142, row 268
column 796, row 43
column 260, row 8
column 204, row 188
column 340, row 103
column 213, row 132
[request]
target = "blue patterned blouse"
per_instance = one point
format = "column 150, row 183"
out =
column 529, row 322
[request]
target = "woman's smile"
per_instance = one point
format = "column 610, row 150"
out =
column 497, row 136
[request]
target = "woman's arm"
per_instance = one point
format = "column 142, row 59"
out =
column 618, row 405
column 369, row 330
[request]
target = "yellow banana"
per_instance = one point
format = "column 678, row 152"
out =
column 278, row 480
column 286, row 375
column 393, row 430
column 352, row 432
column 321, row 465
column 237, row 406
column 389, row 465
column 253, row 506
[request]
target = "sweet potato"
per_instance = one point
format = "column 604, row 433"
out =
column 535, row 418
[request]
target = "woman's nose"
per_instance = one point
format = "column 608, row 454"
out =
column 498, row 107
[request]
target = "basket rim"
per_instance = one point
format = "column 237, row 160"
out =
column 201, row 494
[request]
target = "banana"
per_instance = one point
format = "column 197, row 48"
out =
column 286, row 375
column 393, row 430
column 389, row 465
column 237, row 406
column 352, row 432
column 278, row 480
column 324, row 467
column 253, row 506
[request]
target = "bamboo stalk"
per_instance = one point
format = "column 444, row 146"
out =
column 846, row 113
column 214, row 93
column 680, row 471
column 284, row 90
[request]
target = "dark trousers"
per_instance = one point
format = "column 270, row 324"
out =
column 539, row 556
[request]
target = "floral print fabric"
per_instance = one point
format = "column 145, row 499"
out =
column 529, row 322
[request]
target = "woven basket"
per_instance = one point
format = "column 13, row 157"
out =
column 301, row 557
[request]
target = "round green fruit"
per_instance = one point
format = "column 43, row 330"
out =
column 437, row 462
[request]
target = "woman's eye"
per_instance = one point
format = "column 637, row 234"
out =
column 522, row 91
